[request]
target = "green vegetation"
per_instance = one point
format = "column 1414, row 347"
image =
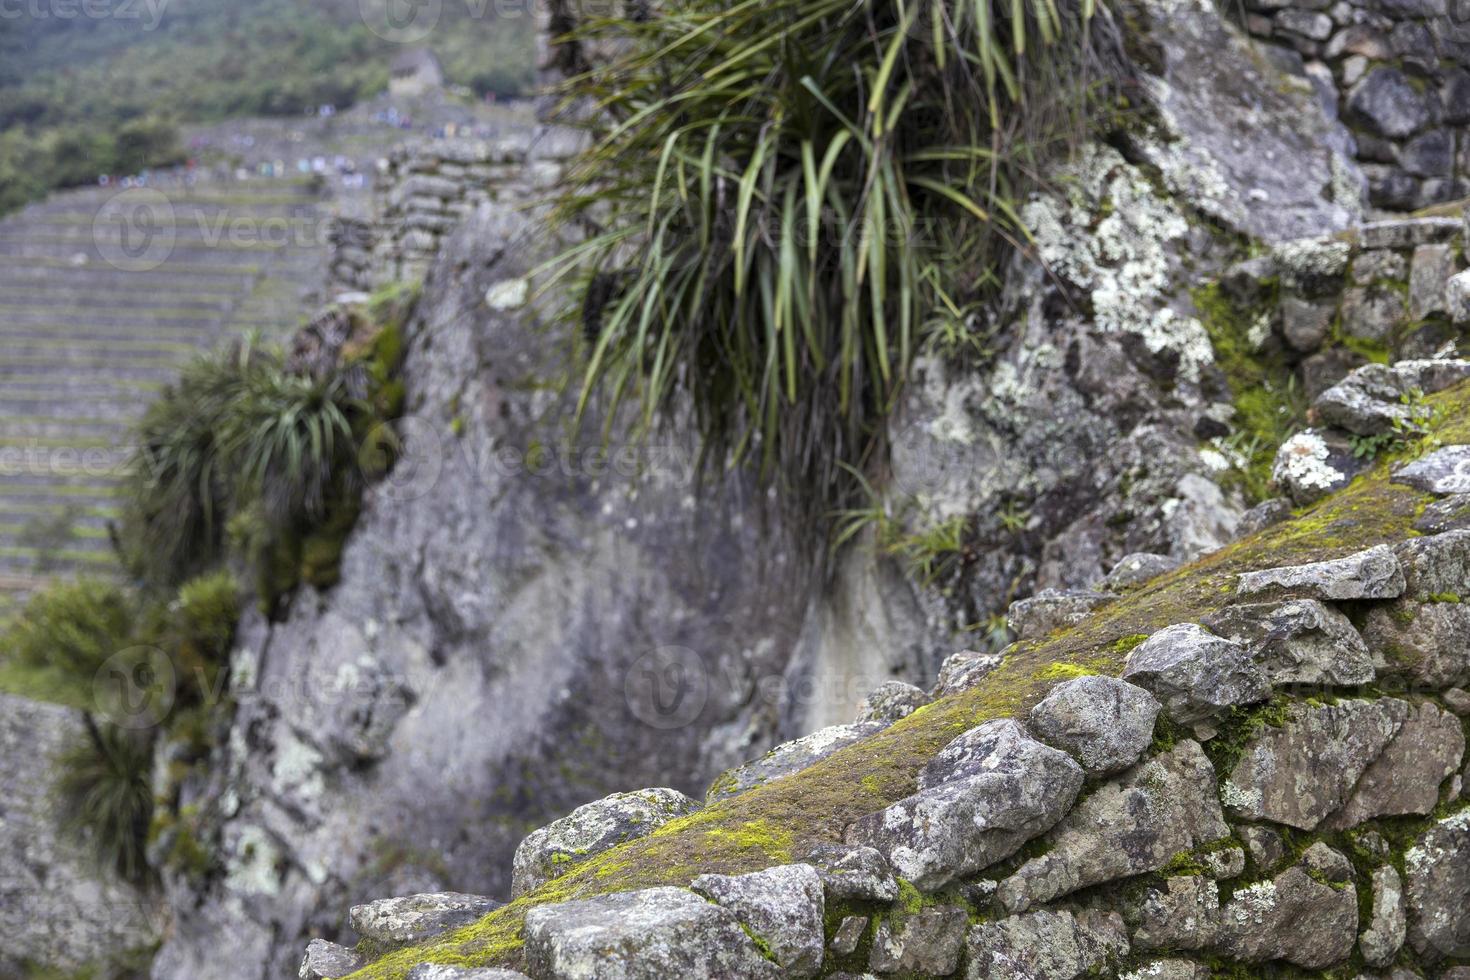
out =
column 791, row 203
column 816, row 805
column 1269, row 406
column 82, row 95
column 62, row 638
column 104, row 791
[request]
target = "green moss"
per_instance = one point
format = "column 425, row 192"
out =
column 766, row 825
column 1268, row 405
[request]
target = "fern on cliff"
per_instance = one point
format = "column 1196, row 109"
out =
column 786, row 199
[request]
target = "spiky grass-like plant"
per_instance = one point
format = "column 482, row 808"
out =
column 103, row 783
column 70, row 629
column 787, row 197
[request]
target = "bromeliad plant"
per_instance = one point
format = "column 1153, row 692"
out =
column 786, row 199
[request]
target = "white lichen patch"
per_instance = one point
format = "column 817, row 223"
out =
column 1302, row 462
column 1307, row 259
column 1113, row 236
column 508, row 294
column 251, row 867
column 1254, row 902
column 1236, row 798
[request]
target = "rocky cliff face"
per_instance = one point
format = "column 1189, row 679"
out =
column 525, row 624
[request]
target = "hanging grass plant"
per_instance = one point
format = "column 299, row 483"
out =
column 105, row 794
column 785, row 200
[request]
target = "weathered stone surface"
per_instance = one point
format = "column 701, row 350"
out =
column 1384, row 935
column 1265, row 845
column 1431, row 270
column 1045, row 946
column 1104, row 723
column 1408, row 232
column 1301, row 773
column 1053, row 609
column 1300, row 641
column 1185, row 915
column 412, row 918
column 1195, row 674
column 1451, row 513
column 853, row 873
column 1137, row 569
column 1458, row 701
column 962, row 671
column 1438, row 869
column 436, row 971
column 891, row 701
column 1425, row 643
column 1457, row 298
column 927, row 943
column 848, row 934
column 1134, row 824
column 986, row 794
column 328, row 961
column 1370, row 574
column 1444, row 471
column 1406, row 778
column 789, row 757
column 1263, row 515
column 1372, row 400
column 1386, row 102
column 1326, row 864
column 640, row 935
column 1312, row 464
column 1168, row 970
column 783, row 906
column 1436, row 567
column 1292, row 918
column 1372, row 313
column 592, row 828
column 1305, row 324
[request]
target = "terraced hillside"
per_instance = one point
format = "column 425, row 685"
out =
column 102, row 297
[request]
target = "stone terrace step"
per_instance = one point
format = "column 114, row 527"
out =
column 86, row 345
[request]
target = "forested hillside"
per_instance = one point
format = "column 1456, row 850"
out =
column 82, row 95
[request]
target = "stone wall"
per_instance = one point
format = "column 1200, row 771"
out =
column 1274, row 784
column 423, row 190
column 1398, row 71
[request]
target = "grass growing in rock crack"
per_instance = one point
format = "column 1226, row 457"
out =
column 788, row 199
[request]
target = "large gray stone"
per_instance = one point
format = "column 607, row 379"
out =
column 986, row 794
column 891, row 701
column 1104, row 723
column 1375, row 399
column 592, row 828
column 790, row 757
column 784, row 906
column 1451, row 513
column 651, row 934
column 1372, row 313
column 1432, row 268
column 1437, row 566
column 437, row 971
column 1045, row 946
column 1406, row 777
column 413, row 918
column 1300, row 641
column 1183, row 915
column 927, row 943
column 1133, row 571
column 328, row 961
column 1370, row 574
column 853, row 873
column 1426, row 644
column 1384, row 935
column 1442, row 472
column 1053, row 609
column 1389, row 104
column 1312, row 464
column 1438, row 869
column 1301, row 773
column 962, row 671
column 1131, row 825
column 1292, row 917
column 1196, row 675
column 1457, row 298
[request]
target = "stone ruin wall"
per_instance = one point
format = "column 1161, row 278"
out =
column 1397, row 72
